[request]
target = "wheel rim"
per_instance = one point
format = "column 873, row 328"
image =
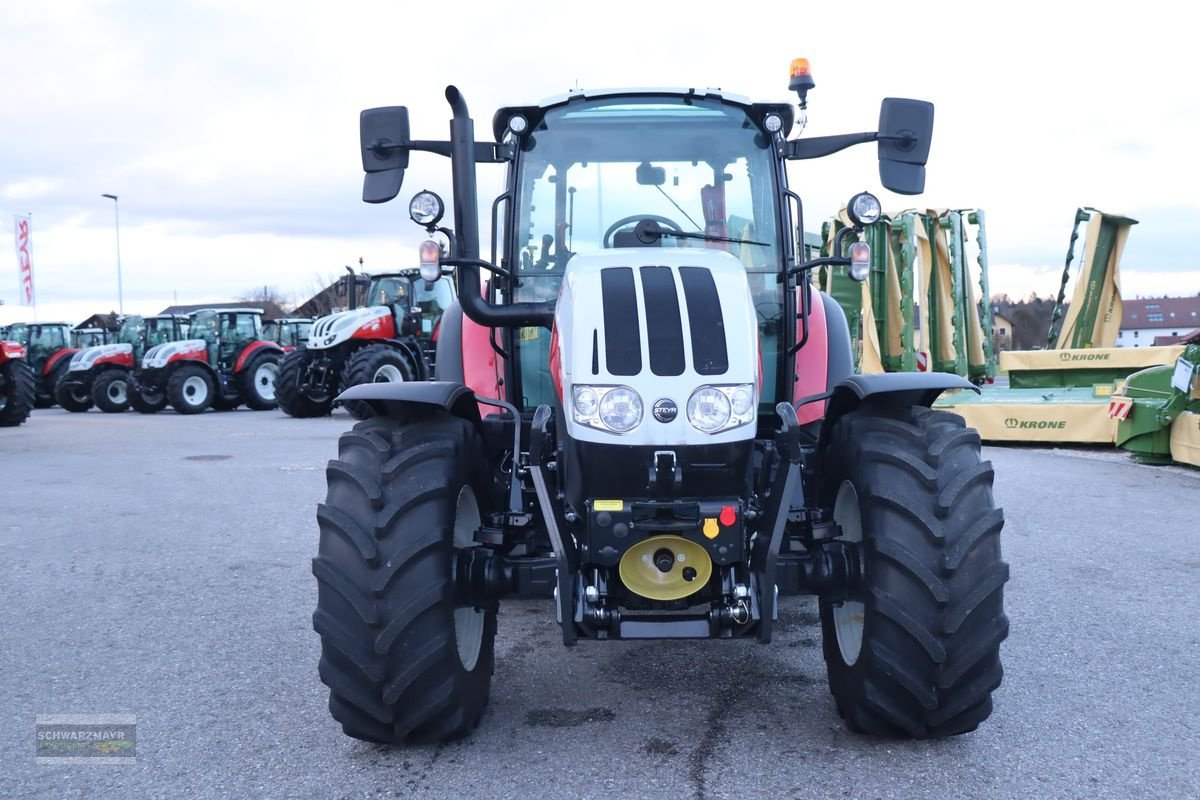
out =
column 117, row 393
column 195, row 390
column 264, row 380
column 848, row 617
column 79, row 395
column 388, row 373
column 468, row 621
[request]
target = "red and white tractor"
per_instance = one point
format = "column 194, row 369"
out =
column 390, row 340
column 224, row 364
column 669, row 459
column 102, row 374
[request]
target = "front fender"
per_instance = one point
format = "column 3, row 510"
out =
column 899, row 389
column 394, row 399
column 253, row 349
column 55, row 359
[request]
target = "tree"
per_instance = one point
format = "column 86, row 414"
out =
column 261, row 295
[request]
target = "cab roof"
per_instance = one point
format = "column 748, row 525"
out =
column 534, row 112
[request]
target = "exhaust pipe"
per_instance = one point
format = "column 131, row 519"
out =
column 466, row 223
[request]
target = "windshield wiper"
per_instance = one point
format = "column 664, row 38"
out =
column 648, row 231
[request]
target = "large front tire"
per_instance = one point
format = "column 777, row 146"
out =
column 289, row 388
column 47, row 398
column 191, row 389
column 258, row 380
column 145, row 400
column 403, row 663
column 914, row 652
column 375, row 363
column 18, row 390
column 73, row 395
column 110, row 391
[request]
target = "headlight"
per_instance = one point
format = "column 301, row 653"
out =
column 621, row 409
column 426, row 208
column 864, row 209
column 586, row 401
column 708, row 409
column 712, row 409
column 608, row 408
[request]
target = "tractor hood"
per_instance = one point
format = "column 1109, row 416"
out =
column 102, row 354
column 373, row 322
column 159, row 356
column 657, row 346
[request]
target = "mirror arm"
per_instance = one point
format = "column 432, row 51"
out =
column 486, row 152
column 819, row 146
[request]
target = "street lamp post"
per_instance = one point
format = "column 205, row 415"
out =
column 117, row 219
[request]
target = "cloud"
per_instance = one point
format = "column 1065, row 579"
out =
column 229, row 129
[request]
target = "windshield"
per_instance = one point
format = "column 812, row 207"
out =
column 385, row 291
column 159, row 331
column 48, row 336
column 589, row 172
column 131, row 330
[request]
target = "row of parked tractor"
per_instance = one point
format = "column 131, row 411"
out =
column 223, row 358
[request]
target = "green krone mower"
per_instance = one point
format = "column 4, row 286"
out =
column 690, row 446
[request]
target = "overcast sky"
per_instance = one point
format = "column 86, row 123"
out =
column 229, row 130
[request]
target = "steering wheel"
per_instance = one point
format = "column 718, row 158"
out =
column 623, row 221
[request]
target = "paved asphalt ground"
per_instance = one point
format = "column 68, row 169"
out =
column 159, row 566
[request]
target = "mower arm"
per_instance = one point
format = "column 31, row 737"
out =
column 395, row 399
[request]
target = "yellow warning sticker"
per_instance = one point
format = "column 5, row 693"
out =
column 608, row 505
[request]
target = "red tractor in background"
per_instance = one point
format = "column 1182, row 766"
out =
column 48, row 350
column 226, row 363
column 18, row 384
column 390, row 340
column 102, row 374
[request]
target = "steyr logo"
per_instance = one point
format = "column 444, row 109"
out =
column 1035, row 424
column 665, row 410
column 1066, row 356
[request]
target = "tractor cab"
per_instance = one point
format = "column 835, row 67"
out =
column 48, row 345
column 289, row 333
column 83, row 338
column 227, row 332
column 165, row 328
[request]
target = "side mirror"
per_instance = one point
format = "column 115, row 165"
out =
column 905, row 130
column 383, row 135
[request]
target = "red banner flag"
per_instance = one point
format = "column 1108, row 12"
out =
column 25, row 260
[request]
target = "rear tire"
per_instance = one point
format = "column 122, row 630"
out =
column 915, row 651
column 49, row 383
column 258, row 381
column 402, row 663
column 72, row 394
column 292, row 400
column 110, row 391
column 18, row 393
column 191, row 389
column 143, row 400
column 375, row 363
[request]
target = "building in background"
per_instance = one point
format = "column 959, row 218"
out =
column 1002, row 333
column 1158, row 320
